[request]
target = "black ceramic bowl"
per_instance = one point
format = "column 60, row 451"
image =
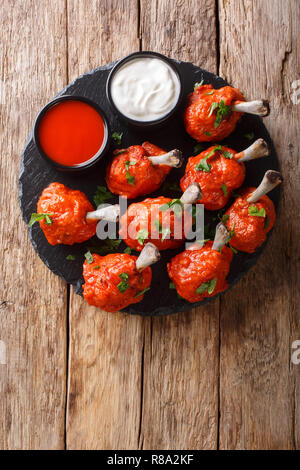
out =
column 144, row 124
column 92, row 161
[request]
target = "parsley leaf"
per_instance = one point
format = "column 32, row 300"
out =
column 212, row 107
column 89, row 257
column 142, row 292
column 164, row 231
column 171, row 187
column 97, row 267
column 172, row 285
column 142, row 235
column 207, row 133
column 129, row 177
column 129, row 163
column 120, row 153
column 101, row 195
column 253, row 210
column 203, row 165
column 222, row 111
column 210, row 92
column 267, row 222
column 108, row 246
column 117, row 137
column 224, row 218
column 224, row 189
column 70, row 258
column 208, row 286
column 123, row 285
column 198, row 148
column 197, row 84
column 227, row 154
column 249, row 136
column 37, row 217
column 128, row 250
column 124, row 276
column 201, row 243
column 175, row 205
column 234, row 251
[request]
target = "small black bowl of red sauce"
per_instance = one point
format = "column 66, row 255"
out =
column 72, row 133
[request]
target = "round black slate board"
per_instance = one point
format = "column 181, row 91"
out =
column 36, row 174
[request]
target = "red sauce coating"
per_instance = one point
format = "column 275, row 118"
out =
column 101, row 284
column 142, row 216
column 191, row 268
column 68, row 208
column 71, row 132
column 223, row 171
column 196, row 117
column 249, row 231
column 147, row 177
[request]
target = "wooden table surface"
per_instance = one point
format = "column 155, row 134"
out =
column 220, row 376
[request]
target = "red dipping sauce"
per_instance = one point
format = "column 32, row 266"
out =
column 71, row 132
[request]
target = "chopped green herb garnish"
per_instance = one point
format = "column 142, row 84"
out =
column 120, row 153
column 108, row 246
column 142, row 235
column 89, row 257
column 253, row 210
column 171, row 187
column 267, row 222
column 123, row 285
column 129, row 163
column 224, row 189
column 70, row 258
column 203, row 165
column 234, row 251
column 37, row 217
column 142, row 292
column 222, row 111
column 198, row 148
column 157, row 225
column 227, row 154
column 249, row 136
column 175, row 205
column 210, row 92
column 201, row 243
column 128, row 250
column 129, row 177
column 164, row 231
column 215, row 149
column 207, row 133
column 224, row 218
column 172, row 285
column 197, row 84
column 97, row 267
column 212, row 107
column 124, row 276
column 101, row 195
column 208, row 286
column 117, row 137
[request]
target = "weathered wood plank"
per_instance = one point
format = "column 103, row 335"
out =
column 260, row 316
column 180, row 393
column 105, row 349
column 32, row 299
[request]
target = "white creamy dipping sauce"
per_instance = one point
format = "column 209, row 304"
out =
column 145, row 89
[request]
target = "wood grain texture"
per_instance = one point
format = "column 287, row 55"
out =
column 180, row 391
column 105, row 360
column 32, row 299
column 260, row 317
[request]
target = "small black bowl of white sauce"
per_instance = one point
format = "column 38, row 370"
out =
column 145, row 89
